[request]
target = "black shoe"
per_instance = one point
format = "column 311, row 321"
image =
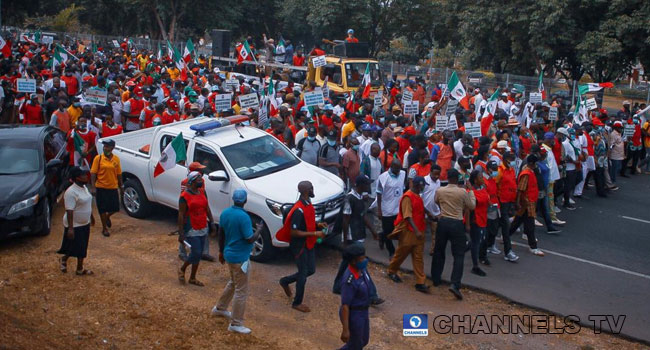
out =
column 485, row 262
column 623, row 175
column 422, row 288
column 394, row 278
column 377, row 301
column 553, row 230
column 436, row 284
column 477, row 271
column 454, row 290
column 569, row 207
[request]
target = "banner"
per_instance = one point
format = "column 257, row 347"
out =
column 535, row 97
column 412, row 108
column 96, row 96
column 441, row 122
column 452, row 106
column 26, row 85
column 452, row 124
column 591, row 104
column 473, row 128
column 249, row 101
column 552, row 113
column 407, row 96
column 222, row 102
column 314, row 98
column 232, row 84
column 318, row 61
column 378, row 98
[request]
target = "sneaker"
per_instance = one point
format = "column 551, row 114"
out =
column 493, row 250
column 538, row 224
column 571, row 201
column 512, row 257
column 537, row 252
column 614, row 188
column 525, row 238
column 377, row 301
column 558, row 222
column 557, row 209
column 239, row 329
column 422, row 288
column 485, row 261
column 220, row 313
column 478, row 271
column 553, row 230
column 569, row 207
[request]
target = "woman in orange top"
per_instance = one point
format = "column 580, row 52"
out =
column 445, row 156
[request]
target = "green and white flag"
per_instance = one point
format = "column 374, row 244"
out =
column 457, row 91
column 187, row 53
column 80, row 148
column 580, row 111
column 172, row 154
column 160, row 53
column 280, row 48
column 60, row 56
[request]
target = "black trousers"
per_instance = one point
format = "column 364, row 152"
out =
column 449, row 230
column 387, row 226
column 490, row 237
column 634, row 156
column 569, row 185
column 529, row 228
column 504, row 223
column 599, row 178
column 306, row 263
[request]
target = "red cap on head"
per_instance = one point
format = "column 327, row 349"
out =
column 172, row 104
column 138, row 91
column 409, row 130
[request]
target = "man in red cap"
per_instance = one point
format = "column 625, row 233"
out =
column 170, row 114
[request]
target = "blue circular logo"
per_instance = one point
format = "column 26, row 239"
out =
column 415, row 321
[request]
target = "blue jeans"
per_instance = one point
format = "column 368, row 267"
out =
column 617, row 164
column 306, row 263
column 196, row 251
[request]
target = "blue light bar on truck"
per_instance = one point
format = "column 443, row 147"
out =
column 215, row 124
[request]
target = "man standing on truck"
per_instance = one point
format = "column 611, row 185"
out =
column 301, row 231
column 351, row 39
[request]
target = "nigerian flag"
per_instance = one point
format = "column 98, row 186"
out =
column 172, row 154
column 60, row 56
column 80, row 148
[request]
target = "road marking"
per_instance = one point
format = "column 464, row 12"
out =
column 635, row 219
column 614, row 268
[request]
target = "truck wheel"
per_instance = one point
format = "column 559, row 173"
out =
column 263, row 249
column 46, row 225
column 135, row 200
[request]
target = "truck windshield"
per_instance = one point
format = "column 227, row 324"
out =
column 258, row 157
column 354, row 73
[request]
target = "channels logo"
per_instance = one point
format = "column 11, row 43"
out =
column 415, row 325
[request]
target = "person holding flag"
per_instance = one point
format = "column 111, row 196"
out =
column 173, row 153
column 244, row 53
column 189, row 50
column 81, row 144
column 366, row 82
column 457, row 91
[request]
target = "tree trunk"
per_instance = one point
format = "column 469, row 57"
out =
column 161, row 26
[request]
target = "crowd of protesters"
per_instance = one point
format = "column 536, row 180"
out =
column 407, row 177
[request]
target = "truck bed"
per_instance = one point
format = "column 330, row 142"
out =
column 132, row 142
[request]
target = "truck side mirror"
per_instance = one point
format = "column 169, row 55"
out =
column 218, row 175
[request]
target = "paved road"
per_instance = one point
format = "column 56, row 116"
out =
column 599, row 264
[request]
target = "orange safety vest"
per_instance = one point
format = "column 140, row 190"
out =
column 507, row 186
column 444, row 160
column 136, row 108
column 63, row 120
column 531, row 192
column 418, row 211
column 309, row 213
column 148, row 117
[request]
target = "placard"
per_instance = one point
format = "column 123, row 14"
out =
column 552, row 113
column 46, row 39
column 96, row 96
column 412, row 107
column 263, row 114
column 535, row 97
column 452, row 124
column 452, row 106
column 314, row 98
column 628, row 131
column 326, row 92
column 318, row 61
column 473, row 128
column 591, row 104
column 378, row 99
column 116, row 44
column 232, row 84
column 223, row 102
column 26, row 85
column 441, row 122
column 407, row 96
column 249, row 101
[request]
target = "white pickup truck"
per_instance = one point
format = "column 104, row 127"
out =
column 236, row 156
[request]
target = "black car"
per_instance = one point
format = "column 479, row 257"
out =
column 33, row 167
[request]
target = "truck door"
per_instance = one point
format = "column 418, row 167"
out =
column 167, row 186
column 218, row 192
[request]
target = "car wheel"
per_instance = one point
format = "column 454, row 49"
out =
column 46, row 226
column 135, row 200
column 263, row 249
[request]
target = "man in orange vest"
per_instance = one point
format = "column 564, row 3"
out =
column 526, row 202
column 131, row 111
column 410, row 226
column 301, row 231
column 61, row 118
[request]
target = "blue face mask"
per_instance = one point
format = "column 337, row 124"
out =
column 572, row 136
column 331, row 142
column 513, row 164
column 382, row 120
column 494, row 173
column 311, row 138
column 355, row 147
column 361, row 265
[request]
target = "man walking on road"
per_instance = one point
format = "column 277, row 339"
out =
column 236, row 239
column 410, row 226
column 526, row 202
column 453, row 201
column 300, row 230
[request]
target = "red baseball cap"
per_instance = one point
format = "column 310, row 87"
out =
column 409, row 130
column 196, row 166
column 172, row 104
column 137, row 91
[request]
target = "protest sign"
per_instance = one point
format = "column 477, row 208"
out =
column 232, row 84
column 441, row 122
column 535, row 97
column 326, row 92
column 407, row 96
column 591, row 104
column 452, row 105
column 249, row 101
column 452, row 124
column 411, row 108
column 96, row 96
column 473, row 128
column 314, row 98
column 115, row 43
column 222, row 102
column 263, row 115
column 628, row 131
column 552, row 113
column 26, row 85
column 46, row 39
column 318, row 61
column 378, row 98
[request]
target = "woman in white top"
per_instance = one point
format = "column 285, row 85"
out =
column 77, row 220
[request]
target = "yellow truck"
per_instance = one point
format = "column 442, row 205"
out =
column 345, row 74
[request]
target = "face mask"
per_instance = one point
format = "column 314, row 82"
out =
column 636, row 121
column 199, row 184
column 393, row 125
column 573, row 137
column 107, row 153
column 77, row 104
column 355, row 147
column 311, row 138
column 331, row 143
column 494, row 122
column 513, row 164
column 361, row 265
column 82, row 127
column 302, row 125
column 382, row 119
column 494, row 173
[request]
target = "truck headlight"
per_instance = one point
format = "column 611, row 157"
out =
column 24, row 204
column 277, row 208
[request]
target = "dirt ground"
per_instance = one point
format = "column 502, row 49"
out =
column 134, row 301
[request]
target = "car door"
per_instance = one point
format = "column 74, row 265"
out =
column 167, row 186
column 54, row 148
column 218, row 192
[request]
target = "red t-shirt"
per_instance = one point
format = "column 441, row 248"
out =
column 89, row 138
column 298, row 60
column 108, row 131
column 33, row 114
column 71, row 84
column 482, row 202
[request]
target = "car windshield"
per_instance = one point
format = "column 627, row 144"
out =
column 354, row 73
column 258, row 157
column 18, row 157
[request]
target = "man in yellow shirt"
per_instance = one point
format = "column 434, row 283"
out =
column 106, row 178
column 75, row 111
column 349, row 127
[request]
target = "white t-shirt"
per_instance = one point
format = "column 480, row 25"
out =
column 375, row 171
column 391, row 190
column 364, row 149
column 458, row 148
column 428, row 195
column 570, row 154
column 505, row 106
column 79, row 200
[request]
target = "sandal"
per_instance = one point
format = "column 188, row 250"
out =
column 181, row 276
column 196, row 282
column 63, row 265
column 106, row 233
column 84, row 272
